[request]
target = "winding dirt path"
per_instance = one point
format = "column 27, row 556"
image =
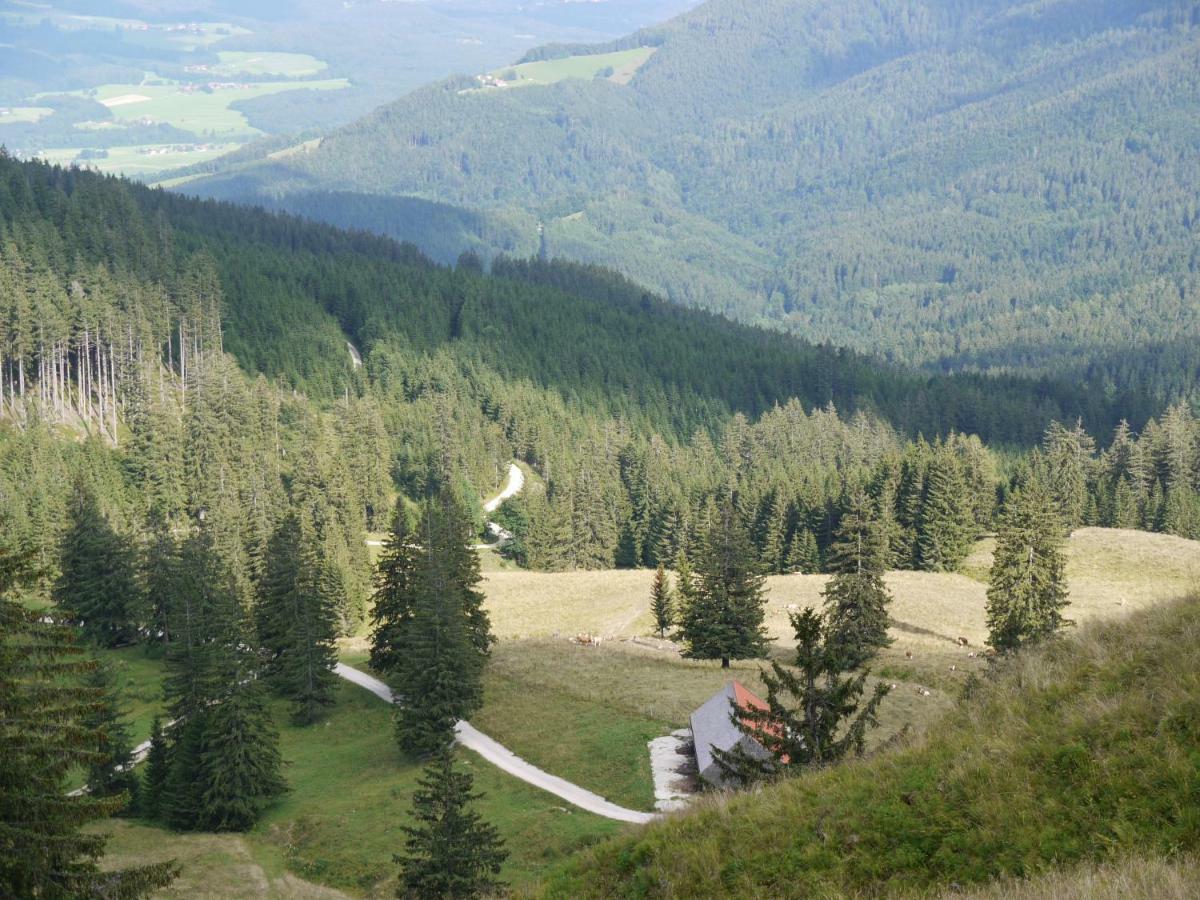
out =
column 491, row 750
column 503, row 758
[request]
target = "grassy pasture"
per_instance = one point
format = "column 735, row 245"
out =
column 340, row 823
column 585, row 714
column 139, row 680
column 1111, row 573
column 201, row 112
column 603, row 704
column 140, row 159
column 213, row 866
column 288, row 65
column 11, row 115
column 623, row 64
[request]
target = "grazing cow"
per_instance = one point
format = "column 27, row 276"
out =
column 908, row 654
column 963, row 642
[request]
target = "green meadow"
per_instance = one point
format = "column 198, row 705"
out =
column 622, row 64
column 247, row 62
column 203, row 111
column 140, row 159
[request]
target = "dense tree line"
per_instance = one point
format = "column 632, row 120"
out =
column 123, row 307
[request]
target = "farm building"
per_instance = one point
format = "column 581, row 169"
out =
column 712, row 726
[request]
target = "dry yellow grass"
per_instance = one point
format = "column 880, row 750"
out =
column 1111, row 573
column 1129, row 879
column 542, row 604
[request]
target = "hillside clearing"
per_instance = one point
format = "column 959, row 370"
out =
column 138, row 159
column 14, row 114
column 1088, row 744
column 1111, row 572
column 201, row 109
column 618, row 67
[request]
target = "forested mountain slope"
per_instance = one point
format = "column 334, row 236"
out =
column 958, row 183
column 201, row 350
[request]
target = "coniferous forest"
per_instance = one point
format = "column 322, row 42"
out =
column 205, row 411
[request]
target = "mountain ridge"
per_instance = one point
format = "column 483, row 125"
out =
column 940, row 183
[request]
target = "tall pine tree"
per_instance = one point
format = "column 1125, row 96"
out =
column 297, row 618
column 946, row 525
column 1027, row 590
column 98, row 586
column 111, row 772
column 815, row 712
column 437, row 634
column 721, row 615
column 856, row 597
column 661, row 601
column 225, row 767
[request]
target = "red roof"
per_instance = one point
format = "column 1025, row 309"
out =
column 745, row 700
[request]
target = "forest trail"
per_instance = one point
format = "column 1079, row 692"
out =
column 512, row 486
column 503, row 758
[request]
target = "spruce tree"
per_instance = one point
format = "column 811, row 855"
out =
column 240, row 766
column 946, row 525
column 721, row 615
column 815, row 712
column 391, row 608
column 111, row 771
column 224, row 756
column 438, row 634
column 450, row 851
column 856, row 597
column 661, row 601
column 43, row 737
column 803, row 555
column 296, row 618
column 774, row 540
column 1068, row 468
column 157, row 769
column 98, row 583
column 685, row 582
column 160, row 573
column 1027, row 590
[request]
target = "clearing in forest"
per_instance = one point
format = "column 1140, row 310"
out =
column 618, row 67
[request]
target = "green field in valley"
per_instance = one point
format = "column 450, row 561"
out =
column 12, row 114
column 142, row 159
column 349, row 798
column 197, row 108
column 258, row 62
